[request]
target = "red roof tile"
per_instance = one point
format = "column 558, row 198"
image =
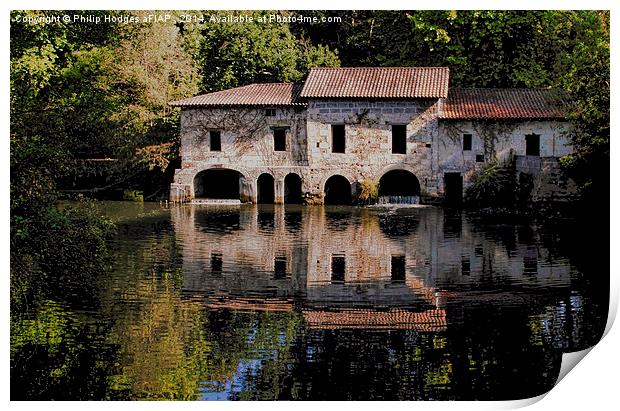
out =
column 377, row 82
column 485, row 103
column 429, row 320
column 261, row 94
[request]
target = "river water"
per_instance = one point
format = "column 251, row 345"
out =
column 342, row 303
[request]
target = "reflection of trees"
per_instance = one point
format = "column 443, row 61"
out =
column 55, row 355
column 157, row 342
column 162, row 346
column 170, row 345
column 358, row 365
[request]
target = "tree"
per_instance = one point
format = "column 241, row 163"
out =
column 232, row 55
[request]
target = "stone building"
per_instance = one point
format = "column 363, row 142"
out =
column 399, row 128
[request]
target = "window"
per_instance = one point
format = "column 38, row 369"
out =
column 338, row 268
column 279, row 139
column 466, row 142
column 279, row 267
column 398, row 269
column 479, row 158
column 399, row 139
column 270, row 112
column 338, row 143
column 215, row 140
column 465, row 265
column 532, row 145
column 216, row 263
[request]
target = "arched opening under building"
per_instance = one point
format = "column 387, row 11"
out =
column 337, row 191
column 399, row 186
column 265, row 189
column 292, row 189
column 218, row 183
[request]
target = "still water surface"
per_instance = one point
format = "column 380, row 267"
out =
column 291, row 302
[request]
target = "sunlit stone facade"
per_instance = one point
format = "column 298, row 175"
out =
column 433, row 143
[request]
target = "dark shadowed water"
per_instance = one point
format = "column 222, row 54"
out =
column 275, row 302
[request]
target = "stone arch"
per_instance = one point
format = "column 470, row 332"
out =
column 292, row 189
column 218, row 183
column 265, row 189
column 399, row 182
column 324, row 177
column 337, row 190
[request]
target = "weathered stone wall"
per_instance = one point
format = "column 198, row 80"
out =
column 549, row 182
column 433, row 147
column 247, row 146
column 495, row 141
column 368, row 154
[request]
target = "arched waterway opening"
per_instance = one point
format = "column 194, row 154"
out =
column 337, row 191
column 292, row 189
column 221, row 184
column 399, row 187
column 265, row 189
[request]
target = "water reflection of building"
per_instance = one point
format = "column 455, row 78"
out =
column 357, row 268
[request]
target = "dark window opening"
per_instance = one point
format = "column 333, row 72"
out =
column 337, row 191
column 399, row 139
column 265, row 189
column 279, row 139
column 399, row 183
column 466, row 142
column 398, row 269
column 338, row 268
column 292, row 189
column 270, row 112
column 216, row 263
column 215, row 140
column 479, row 158
column 465, row 265
column 217, row 183
column 532, row 145
column 279, row 267
column 453, row 189
column 338, row 140
column 428, row 145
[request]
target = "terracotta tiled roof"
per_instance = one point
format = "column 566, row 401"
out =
column 260, row 94
column 430, row 320
column 486, row 103
column 377, row 82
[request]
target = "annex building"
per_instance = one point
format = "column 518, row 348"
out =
column 343, row 130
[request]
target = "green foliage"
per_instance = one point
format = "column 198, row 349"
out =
column 586, row 77
column 79, row 95
column 232, row 55
column 367, row 192
column 493, row 186
column 57, row 253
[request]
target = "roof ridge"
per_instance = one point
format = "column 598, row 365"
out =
column 506, row 88
column 380, row 67
column 274, row 93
